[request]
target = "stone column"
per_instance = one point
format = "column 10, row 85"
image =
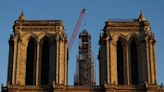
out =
column 39, row 60
column 20, row 64
column 113, row 60
column 15, row 58
column 107, row 61
column 22, row 61
column 57, row 60
column 151, row 61
column 148, row 59
column 154, row 61
column 127, row 63
column 66, row 63
column 61, row 62
column 37, row 63
column 16, row 61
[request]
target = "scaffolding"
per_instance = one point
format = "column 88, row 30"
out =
column 85, row 70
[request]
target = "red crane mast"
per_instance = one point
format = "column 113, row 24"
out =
column 75, row 31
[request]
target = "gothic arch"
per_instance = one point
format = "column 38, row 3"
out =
column 132, row 36
column 28, row 36
column 133, row 51
column 120, row 60
column 47, row 37
column 123, row 37
column 116, row 37
column 45, row 44
column 30, row 62
column 45, row 61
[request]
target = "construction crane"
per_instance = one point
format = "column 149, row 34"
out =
column 75, row 31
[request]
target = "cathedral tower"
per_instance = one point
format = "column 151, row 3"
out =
column 37, row 54
column 38, row 59
column 127, row 53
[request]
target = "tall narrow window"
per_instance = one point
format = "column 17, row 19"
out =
column 45, row 63
column 120, row 65
column 134, row 63
column 30, row 62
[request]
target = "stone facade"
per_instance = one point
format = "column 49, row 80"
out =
column 133, row 42
column 38, row 57
column 39, row 31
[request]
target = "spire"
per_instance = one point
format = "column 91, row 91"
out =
column 85, row 26
column 21, row 17
column 85, row 29
column 141, row 17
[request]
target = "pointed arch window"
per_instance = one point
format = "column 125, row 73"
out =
column 45, row 62
column 134, row 62
column 30, row 62
column 120, row 63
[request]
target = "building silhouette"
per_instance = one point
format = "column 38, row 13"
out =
column 38, row 57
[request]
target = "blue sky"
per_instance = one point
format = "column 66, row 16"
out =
column 97, row 12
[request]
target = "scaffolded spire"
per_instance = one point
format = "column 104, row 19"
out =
column 85, row 73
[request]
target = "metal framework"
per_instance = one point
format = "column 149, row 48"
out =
column 85, row 73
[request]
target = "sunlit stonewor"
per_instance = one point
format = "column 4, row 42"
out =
column 38, row 58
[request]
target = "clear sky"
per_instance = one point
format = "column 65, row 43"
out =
column 97, row 12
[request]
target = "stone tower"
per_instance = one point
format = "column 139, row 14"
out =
column 127, row 54
column 37, row 54
column 38, row 59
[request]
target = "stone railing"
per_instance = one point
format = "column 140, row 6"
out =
column 75, row 88
column 72, row 86
column 42, row 28
column 122, row 20
column 123, row 29
column 39, row 23
column 125, row 86
column 29, row 86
